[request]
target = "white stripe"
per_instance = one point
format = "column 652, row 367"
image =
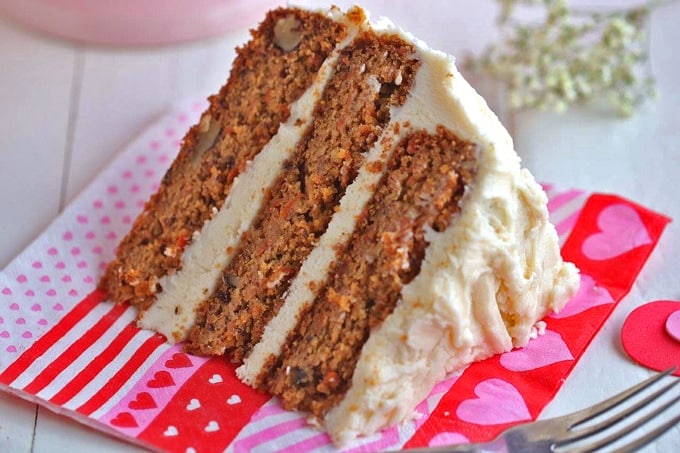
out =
column 551, row 192
column 88, row 355
column 286, row 439
column 111, row 369
column 568, row 209
column 255, row 427
column 58, row 348
column 270, row 421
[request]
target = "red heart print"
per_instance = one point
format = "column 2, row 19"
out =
column 178, row 360
column 142, row 401
column 124, row 420
column 645, row 337
column 161, row 379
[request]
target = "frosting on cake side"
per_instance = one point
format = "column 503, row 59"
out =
column 484, row 282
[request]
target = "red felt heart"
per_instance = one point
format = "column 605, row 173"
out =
column 142, row 401
column 645, row 338
column 161, row 379
column 178, row 360
column 124, row 420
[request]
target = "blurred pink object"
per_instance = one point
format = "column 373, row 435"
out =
column 136, row 22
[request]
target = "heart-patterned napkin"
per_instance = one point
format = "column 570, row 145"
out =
column 63, row 346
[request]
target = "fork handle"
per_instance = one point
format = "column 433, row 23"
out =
column 488, row 447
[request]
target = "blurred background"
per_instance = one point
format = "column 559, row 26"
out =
column 79, row 79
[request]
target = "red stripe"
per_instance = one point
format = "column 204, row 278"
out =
column 75, row 350
column 96, row 366
column 122, row 376
column 50, row 337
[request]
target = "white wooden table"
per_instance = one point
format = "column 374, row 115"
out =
column 66, row 109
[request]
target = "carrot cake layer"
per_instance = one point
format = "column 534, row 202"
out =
column 347, row 122
column 421, row 189
column 273, row 70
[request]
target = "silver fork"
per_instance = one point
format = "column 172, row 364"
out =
column 567, row 433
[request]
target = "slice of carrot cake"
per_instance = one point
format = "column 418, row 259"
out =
column 349, row 220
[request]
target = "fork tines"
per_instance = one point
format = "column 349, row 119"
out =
column 636, row 415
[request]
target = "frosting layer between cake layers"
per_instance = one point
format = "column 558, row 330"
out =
column 204, row 259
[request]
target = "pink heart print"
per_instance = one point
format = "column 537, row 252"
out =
column 589, row 295
column 545, row 350
column 673, row 325
column 448, row 438
column 497, row 402
column 621, row 230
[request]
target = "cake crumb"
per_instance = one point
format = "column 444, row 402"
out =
column 537, row 330
column 356, row 15
column 540, row 326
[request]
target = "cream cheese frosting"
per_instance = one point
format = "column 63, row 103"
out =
column 485, row 281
